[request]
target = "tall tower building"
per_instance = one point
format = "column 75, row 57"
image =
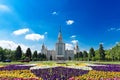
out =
column 60, row 53
column 43, row 50
column 76, row 48
column 60, row 47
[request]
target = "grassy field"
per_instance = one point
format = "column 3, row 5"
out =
column 54, row 62
column 105, row 62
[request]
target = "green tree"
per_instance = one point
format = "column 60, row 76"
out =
column 51, row 57
column 43, row 57
column 80, row 55
column 69, row 58
column 117, row 51
column 18, row 53
column 28, row 54
column 91, row 53
column 77, row 56
column 102, row 52
column 35, row 56
column 85, row 55
column 9, row 54
column 108, row 55
column 97, row 55
column 39, row 57
column 23, row 56
column 1, row 54
column 114, row 53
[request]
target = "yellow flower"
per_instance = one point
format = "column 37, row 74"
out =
column 96, row 75
column 17, row 74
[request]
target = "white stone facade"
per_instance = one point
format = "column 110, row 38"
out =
column 60, row 52
column 76, row 49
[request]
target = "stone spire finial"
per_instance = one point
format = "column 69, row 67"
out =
column 60, row 35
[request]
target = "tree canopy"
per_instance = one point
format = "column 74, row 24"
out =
column 18, row 53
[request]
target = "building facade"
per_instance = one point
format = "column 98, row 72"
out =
column 60, row 53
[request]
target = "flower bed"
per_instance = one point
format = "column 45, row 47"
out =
column 101, row 72
column 107, row 67
column 15, row 67
column 17, row 72
column 99, row 75
column 59, row 72
column 19, row 79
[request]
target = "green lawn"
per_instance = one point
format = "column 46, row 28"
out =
column 102, row 62
column 53, row 62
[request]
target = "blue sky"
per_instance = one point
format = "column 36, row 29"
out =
column 30, row 23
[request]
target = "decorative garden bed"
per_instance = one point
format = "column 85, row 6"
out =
column 79, row 71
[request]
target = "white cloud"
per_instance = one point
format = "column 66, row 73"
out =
column 73, row 36
column 21, row 31
column 46, row 33
column 4, row 7
column 69, row 22
column 69, row 46
column 54, row 13
column 111, row 29
column 114, row 29
column 116, row 42
column 34, row 37
column 12, row 45
column 118, row 29
column 101, row 43
column 74, row 41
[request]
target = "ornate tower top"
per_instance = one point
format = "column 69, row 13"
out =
column 60, row 36
column 43, row 46
column 77, row 47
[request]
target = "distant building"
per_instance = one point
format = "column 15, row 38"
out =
column 76, row 48
column 60, row 53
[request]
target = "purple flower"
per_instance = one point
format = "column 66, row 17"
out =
column 107, row 67
column 15, row 67
column 59, row 73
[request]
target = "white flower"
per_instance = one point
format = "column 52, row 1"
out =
column 95, row 65
column 27, row 65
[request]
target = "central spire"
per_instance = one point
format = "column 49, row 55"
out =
column 60, row 35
